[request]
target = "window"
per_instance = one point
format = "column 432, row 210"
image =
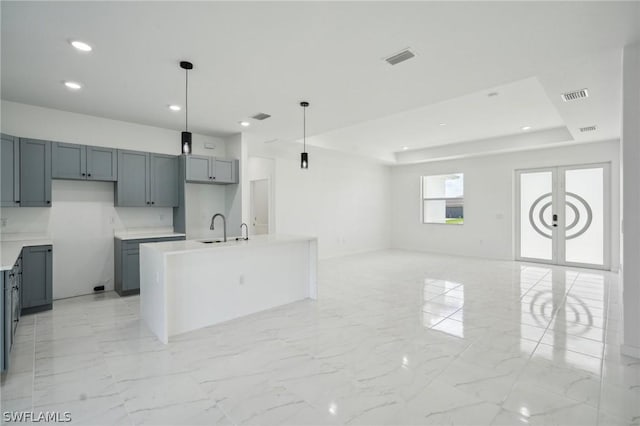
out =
column 443, row 199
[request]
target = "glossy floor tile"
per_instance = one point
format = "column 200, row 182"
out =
column 394, row 338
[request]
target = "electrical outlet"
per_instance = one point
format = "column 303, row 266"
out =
column 3, row 222
column 161, row 217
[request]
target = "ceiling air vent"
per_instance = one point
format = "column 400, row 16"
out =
column 261, row 116
column 588, row 129
column 575, row 95
column 400, row 57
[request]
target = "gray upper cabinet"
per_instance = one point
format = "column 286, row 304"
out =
column 37, row 276
column 224, row 171
column 35, row 173
column 146, row 179
column 198, row 168
column 102, row 163
column 201, row 169
column 71, row 161
column 68, row 161
column 10, row 172
column 164, row 180
column 132, row 187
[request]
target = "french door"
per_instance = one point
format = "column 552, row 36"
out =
column 563, row 215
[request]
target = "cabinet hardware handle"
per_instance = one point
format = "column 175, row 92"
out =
column 213, row 177
column 16, row 320
column 89, row 175
column 48, row 202
column 153, row 202
column 83, row 174
column 148, row 202
column 18, row 201
column 49, row 250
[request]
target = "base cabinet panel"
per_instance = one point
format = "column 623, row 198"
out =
column 37, row 273
column 127, row 263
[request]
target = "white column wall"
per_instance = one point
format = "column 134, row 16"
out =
column 631, row 199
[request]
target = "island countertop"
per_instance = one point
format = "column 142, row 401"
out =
column 186, row 246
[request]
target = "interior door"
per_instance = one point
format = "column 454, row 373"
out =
column 260, row 206
column 563, row 215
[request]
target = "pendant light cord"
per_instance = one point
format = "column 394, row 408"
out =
column 186, row 100
column 304, row 129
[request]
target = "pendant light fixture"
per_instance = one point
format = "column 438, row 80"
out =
column 186, row 135
column 304, row 156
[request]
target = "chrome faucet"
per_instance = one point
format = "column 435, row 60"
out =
column 245, row 227
column 224, row 224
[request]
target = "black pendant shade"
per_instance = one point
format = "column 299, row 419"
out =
column 185, row 143
column 304, row 156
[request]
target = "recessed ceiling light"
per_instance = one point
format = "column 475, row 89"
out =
column 443, row 124
column 244, row 123
column 175, row 107
column 81, row 46
column 404, row 148
column 525, row 128
column 73, row 85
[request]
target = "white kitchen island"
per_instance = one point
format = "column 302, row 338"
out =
column 187, row 285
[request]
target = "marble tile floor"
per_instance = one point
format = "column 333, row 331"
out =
column 395, row 337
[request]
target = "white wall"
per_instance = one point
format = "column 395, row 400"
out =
column 80, row 218
column 342, row 199
column 488, row 229
column 631, row 199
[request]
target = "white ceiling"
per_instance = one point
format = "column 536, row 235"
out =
column 265, row 57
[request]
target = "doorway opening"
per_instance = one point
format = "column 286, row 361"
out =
column 260, row 206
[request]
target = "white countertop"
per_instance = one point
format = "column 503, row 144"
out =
column 10, row 250
column 189, row 246
column 141, row 235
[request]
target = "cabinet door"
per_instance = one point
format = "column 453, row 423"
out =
column 7, row 322
column 68, row 161
column 130, row 270
column 35, row 173
column 36, row 276
column 164, row 180
column 132, row 188
column 224, row 171
column 10, row 172
column 102, row 163
column 198, row 169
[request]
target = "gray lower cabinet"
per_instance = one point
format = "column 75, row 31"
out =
column 35, row 173
column 202, row 169
column 37, row 277
column 82, row 162
column 10, row 171
column 146, row 179
column 127, row 263
column 10, row 290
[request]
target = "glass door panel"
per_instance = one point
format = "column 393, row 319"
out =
column 563, row 214
column 536, row 220
column 584, row 225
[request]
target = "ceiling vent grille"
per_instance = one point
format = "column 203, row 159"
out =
column 588, row 129
column 261, row 116
column 575, row 95
column 400, row 57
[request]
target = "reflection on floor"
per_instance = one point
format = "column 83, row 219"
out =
column 395, row 338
